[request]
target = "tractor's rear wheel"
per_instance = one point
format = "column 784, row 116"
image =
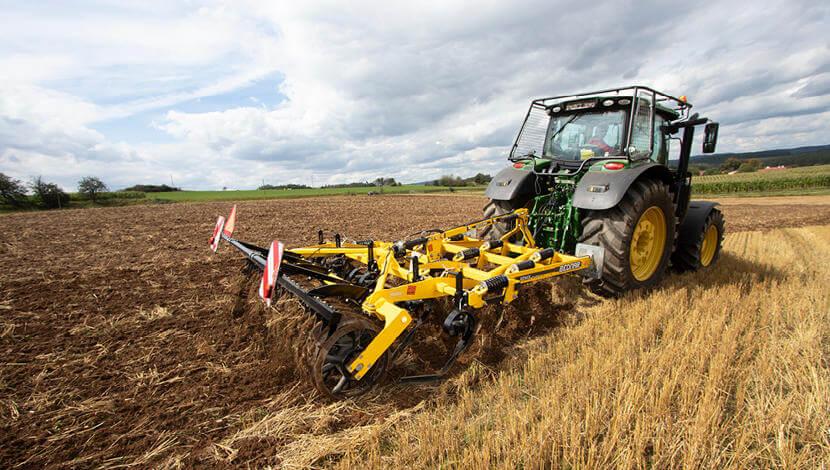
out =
column 702, row 250
column 637, row 235
column 492, row 209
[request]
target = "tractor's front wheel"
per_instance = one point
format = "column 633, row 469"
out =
column 702, row 249
column 637, row 235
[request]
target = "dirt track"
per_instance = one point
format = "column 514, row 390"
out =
column 120, row 345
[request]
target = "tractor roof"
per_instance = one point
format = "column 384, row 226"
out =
column 667, row 104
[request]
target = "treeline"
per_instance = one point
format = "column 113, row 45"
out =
column 366, row 184
column 728, row 166
column 40, row 194
column 456, row 181
column 266, row 187
column 150, row 188
column 802, row 156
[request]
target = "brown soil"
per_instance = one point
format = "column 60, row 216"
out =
column 126, row 343
column 744, row 214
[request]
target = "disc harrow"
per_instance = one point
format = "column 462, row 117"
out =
column 369, row 297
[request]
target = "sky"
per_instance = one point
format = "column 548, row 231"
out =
column 233, row 94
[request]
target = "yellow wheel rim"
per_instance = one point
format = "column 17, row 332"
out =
column 710, row 244
column 648, row 243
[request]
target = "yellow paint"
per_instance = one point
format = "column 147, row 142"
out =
column 647, row 243
column 381, row 303
column 709, row 246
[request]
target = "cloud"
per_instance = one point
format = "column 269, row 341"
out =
column 392, row 89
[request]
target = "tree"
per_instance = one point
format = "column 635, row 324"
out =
column 750, row 166
column 449, row 180
column 91, row 186
column 481, row 178
column 49, row 195
column 731, row 164
column 12, row 191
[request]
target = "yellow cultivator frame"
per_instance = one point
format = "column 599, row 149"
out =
column 483, row 266
column 396, row 275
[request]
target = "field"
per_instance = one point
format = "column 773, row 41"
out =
column 126, row 344
column 293, row 193
column 794, row 180
column 124, row 198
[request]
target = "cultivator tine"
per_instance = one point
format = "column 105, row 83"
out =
column 270, row 272
column 217, row 233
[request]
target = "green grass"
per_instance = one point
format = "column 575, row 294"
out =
column 187, row 196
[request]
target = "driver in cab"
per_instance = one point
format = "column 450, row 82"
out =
column 598, row 140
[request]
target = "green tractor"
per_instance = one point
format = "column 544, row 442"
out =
column 594, row 171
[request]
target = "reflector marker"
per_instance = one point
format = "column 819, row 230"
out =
column 217, row 233
column 231, row 223
column 270, row 272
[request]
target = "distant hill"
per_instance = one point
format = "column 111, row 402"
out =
column 800, row 156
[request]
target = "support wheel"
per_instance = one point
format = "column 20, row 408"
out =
column 335, row 352
column 703, row 249
column 637, row 235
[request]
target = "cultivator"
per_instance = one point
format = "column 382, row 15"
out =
column 369, row 297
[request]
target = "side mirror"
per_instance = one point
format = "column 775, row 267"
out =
column 710, row 137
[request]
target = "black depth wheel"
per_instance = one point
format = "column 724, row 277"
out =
column 333, row 354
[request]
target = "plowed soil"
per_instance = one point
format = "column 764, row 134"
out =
column 126, row 343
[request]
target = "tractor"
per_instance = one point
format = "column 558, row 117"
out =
column 590, row 193
column 593, row 169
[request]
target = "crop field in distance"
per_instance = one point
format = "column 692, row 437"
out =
column 126, row 344
column 792, row 180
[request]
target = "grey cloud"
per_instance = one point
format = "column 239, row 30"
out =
column 818, row 85
column 445, row 90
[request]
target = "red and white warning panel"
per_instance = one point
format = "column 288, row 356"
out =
column 231, row 223
column 272, row 269
column 217, row 233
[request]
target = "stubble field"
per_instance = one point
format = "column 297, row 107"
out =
column 126, row 344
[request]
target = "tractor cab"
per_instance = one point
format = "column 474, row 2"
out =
column 630, row 123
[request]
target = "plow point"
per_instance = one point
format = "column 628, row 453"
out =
column 217, row 233
column 272, row 269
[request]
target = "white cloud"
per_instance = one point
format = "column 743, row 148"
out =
column 410, row 90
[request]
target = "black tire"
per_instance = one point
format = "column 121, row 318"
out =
column 613, row 230
column 492, row 209
column 687, row 256
column 359, row 332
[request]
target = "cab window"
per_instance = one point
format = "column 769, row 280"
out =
column 660, row 153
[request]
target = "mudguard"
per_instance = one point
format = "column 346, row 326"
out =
column 696, row 215
column 600, row 190
column 511, row 183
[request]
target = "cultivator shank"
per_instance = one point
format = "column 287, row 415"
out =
column 370, row 296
